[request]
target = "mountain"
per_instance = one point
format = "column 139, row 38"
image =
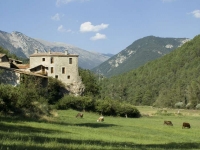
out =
column 137, row 54
column 170, row 81
column 23, row 46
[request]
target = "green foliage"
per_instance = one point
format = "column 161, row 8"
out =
column 75, row 102
column 116, row 108
column 179, row 105
column 55, row 90
column 163, row 82
column 90, row 81
column 137, row 54
column 198, row 106
column 26, row 99
column 106, row 107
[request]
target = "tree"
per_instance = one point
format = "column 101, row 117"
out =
column 90, row 81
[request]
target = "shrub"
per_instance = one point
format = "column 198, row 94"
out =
column 75, row 102
column 179, row 105
column 116, row 108
column 198, row 106
column 188, row 106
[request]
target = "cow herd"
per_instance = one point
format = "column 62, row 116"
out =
column 100, row 119
column 185, row 124
column 169, row 123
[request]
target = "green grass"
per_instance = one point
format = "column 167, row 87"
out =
column 68, row 132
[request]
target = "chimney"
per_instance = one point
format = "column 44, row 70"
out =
column 36, row 51
column 66, row 52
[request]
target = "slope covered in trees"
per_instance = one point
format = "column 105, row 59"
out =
column 165, row 82
column 137, row 54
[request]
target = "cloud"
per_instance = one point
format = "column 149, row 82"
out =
column 60, row 2
column 196, row 13
column 88, row 27
column 61, row 28
column 98, row 36
column 56, row 17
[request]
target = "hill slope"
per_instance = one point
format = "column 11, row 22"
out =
column 138, row 53
column 163, row 82
column 23, row 46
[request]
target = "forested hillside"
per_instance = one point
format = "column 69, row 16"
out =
column 172, row 80
column 137, row 54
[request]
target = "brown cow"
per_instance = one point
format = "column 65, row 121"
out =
column 186, row 125
column 79, row 115
column 101, row 119
column 168, row 123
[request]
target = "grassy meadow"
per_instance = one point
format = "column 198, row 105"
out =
column 65, row 131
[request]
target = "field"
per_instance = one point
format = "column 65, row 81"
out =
column 65, row 131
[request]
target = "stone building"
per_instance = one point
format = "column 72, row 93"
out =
column 62, row 66
column 11, row 72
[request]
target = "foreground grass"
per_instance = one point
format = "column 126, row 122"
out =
column 68, row 132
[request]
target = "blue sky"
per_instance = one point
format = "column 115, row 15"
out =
column 104, row 26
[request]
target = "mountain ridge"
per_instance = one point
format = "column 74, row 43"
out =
column 138, row 53
column 23, row 46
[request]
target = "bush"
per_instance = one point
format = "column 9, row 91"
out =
column 128, row 111
column 198, row 106
column 116, row 108
column 188, row 106
column 21, row 100
column 179, row 105
column 106, row 107
column 78, row 103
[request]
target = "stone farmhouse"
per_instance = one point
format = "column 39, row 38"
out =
column 62, row 66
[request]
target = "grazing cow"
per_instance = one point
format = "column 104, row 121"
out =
column 169, row 123
column 101, row 119
column 186, row 125
column 79, row 115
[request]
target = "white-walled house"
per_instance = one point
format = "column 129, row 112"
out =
column 63, row 66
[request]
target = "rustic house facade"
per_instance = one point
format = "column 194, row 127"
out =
column 62, row 66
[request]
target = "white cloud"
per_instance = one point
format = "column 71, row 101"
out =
column 60, row 2
column 61, row 28
column 56, row 17
column 98, row 36
column 196, row 13
column 88, row 27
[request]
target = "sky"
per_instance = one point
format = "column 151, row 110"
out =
column 103, row 26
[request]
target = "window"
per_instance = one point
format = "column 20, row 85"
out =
column 52, row 60
column 51, row 69
column 43, row 59
column 68, row 77
column 56, row 76
column 63, row 70
column 70, row 60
